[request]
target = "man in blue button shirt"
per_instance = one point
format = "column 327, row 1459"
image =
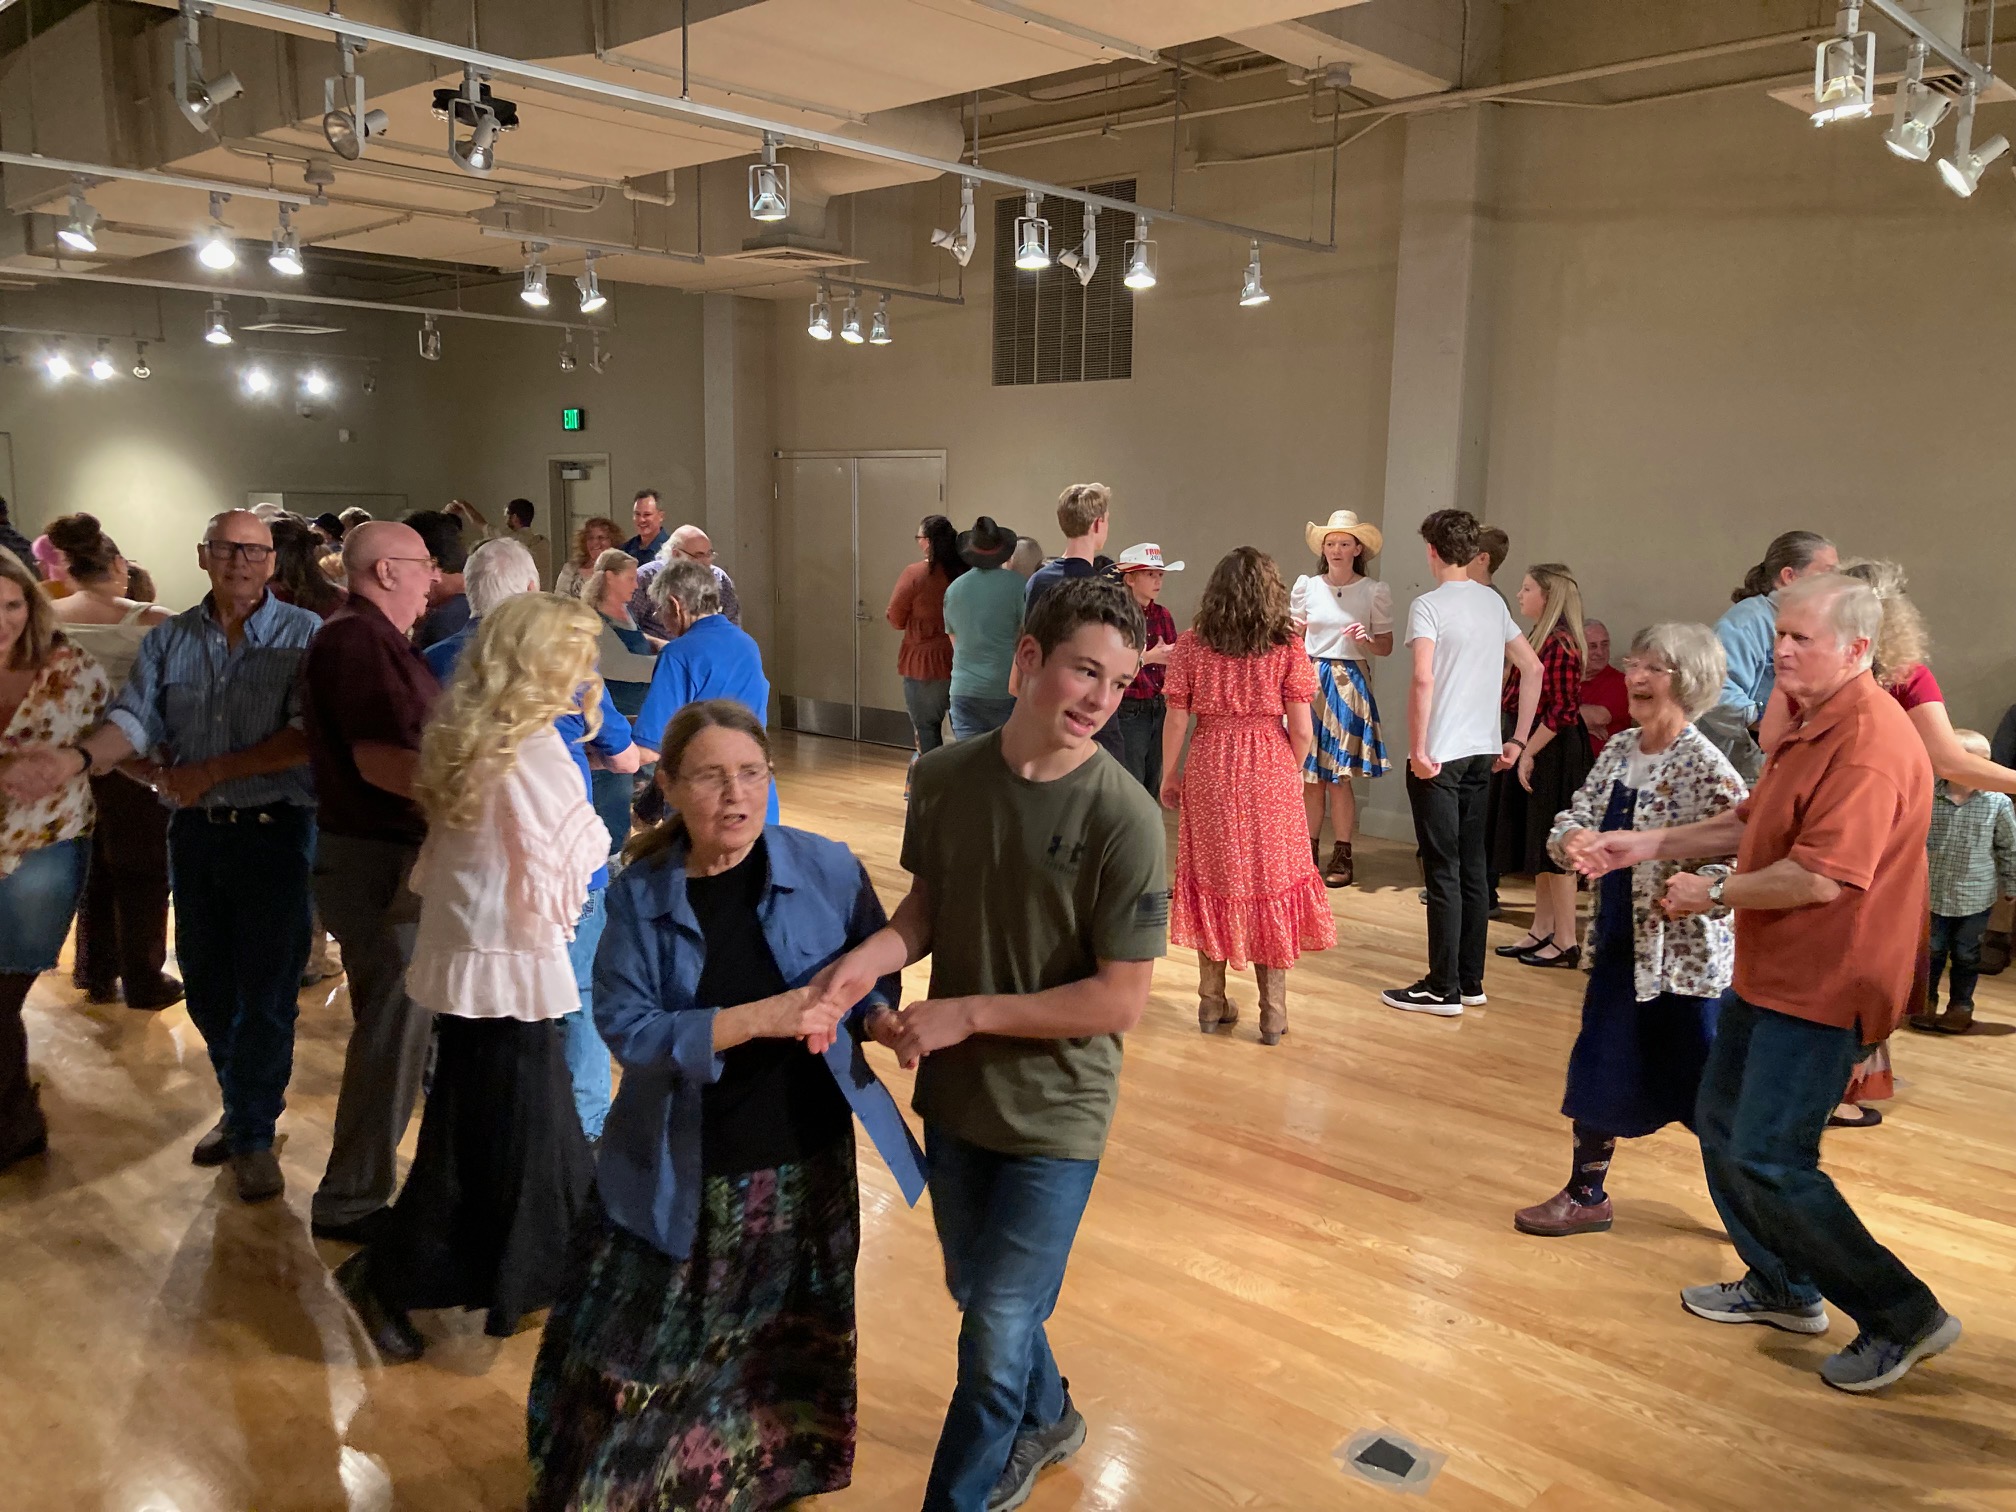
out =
column 213, row 700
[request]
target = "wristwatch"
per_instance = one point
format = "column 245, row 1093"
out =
column 1715, row 890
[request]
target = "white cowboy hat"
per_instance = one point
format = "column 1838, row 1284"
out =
column 1344, row 522
column 1147, row 557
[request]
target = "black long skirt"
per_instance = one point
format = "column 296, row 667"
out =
column 1520, row 821
column 502, row 1175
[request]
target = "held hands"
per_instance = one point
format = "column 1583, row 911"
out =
column 1598, row 854
column 803, row 1013
column 934, row 1024
column 186, row 785
column 1686, row 893
column 34, row 772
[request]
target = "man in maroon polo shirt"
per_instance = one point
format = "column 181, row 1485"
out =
column 366, row 693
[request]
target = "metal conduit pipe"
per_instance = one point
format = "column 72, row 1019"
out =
column 259, row 148
column 382, row 306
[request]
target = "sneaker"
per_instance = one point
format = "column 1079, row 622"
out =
column 1734, row 1302
column 1420, row 998
column 1870, row 1363
column 1474, row 999
column 1034, row 1453
column 257, row 1173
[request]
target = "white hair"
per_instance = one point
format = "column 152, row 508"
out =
column 498, row 569
column 692, row 585
column 1851, row 605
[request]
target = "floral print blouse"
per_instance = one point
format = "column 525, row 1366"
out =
column 1689, row 780
column 63, row 705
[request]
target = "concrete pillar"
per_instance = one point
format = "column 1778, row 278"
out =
column 735, row 356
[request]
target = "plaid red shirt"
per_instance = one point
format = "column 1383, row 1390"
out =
column 1161, row 632
column 1560, row 683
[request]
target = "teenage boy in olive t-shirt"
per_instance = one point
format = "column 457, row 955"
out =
column 1038, row 892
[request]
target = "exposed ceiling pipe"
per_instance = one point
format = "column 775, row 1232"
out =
column 294, row 18
column 259, row 149
column 297, row 197
column 590, row 244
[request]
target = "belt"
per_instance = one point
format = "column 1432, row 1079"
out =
column 264, row 813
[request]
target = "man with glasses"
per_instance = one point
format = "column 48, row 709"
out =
column 367, row 692
column 212, row 712
column 688, row 543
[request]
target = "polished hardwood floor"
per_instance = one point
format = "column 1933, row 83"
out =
column 1285, row 1246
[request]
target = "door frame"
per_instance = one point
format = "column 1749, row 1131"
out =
column 556, row 498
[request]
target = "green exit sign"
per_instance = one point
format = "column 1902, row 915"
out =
column 573, row 419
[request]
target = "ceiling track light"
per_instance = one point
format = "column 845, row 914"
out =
column 1140, row 272
column 1844, row 71
column 217, row 326
column 960, row 243
column 1962, row 168
column 1084, row 258
column 430, row 339
column 197, row 96
column 1250, row 291
column 850, row 322
column 486, row 116
column 1920, row 109
column 215, row 249
column 568, row 361
column 80, row 232
column 101, row 365
column 285, row 258
column 346, row 125
column 592, row 297
column 315, row 384
column 257, row 381
column 534, row 292
column 599, row 357
column 769, row 185
column 819, row 323
column 1032, row 236
column 140, row 368
column 57, row 362
column 878, row 327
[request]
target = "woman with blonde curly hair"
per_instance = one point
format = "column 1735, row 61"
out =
column 1246, row 886
column 596, row 535
column 503, row 1168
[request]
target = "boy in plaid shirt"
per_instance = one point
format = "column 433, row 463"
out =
column 1972, row 843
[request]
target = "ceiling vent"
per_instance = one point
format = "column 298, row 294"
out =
column 787, row 257
column 1941, row 78
column 271, row 319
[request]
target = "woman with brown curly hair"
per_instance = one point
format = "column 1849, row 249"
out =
column 1246, row 888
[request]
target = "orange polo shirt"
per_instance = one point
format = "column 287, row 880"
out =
column 1847, row 795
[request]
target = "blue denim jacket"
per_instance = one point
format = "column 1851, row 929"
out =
column 1748, row 631
column 819, row 904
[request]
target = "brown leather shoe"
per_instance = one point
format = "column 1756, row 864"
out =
column 1561, row 1215
column 1339, row 872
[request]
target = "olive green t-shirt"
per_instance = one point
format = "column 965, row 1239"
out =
column 1032, row 884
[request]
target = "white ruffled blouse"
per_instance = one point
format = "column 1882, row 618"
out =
column 498, row 901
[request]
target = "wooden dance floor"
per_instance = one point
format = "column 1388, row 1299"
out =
column 1286, row 1246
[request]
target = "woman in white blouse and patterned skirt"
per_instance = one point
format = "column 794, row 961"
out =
column 503, row 1168
column 1345, row 619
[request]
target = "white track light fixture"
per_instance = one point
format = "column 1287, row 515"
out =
column 80, row 231
column 215, row 249
column 217, row 326
column 140, row 368
column 258, row 382
column 285, row 258
column 592, row 297
column 101, row 365
column 196, row 96
column 568, row 362
column 960, row 243
column 878, row 327
column 1844, row 70
column 769, row 185
column 1250, row 291
column 1140, row 272
column 534, row 293
column 346, row 124
column 1920, row 109
column 315, row 384
column 58, row 364
column 599, row 358
column 486, row 117
column 1032, row 236
column 430, row 339
column 850, row 323
column 819, row 324
column 1084, row 258
column 1963, row 167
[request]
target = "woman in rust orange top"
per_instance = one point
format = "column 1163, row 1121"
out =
column 917, row 608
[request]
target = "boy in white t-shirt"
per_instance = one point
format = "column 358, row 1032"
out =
column 1460, row 636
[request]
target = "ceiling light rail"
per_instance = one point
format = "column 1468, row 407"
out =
column 291, row 197
column 68, row 275
column 295, row 18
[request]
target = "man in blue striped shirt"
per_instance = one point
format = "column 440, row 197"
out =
column 213, row 708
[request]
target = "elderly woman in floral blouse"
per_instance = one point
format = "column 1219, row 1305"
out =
column 1649, row 1012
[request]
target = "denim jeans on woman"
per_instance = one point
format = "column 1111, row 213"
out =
column 36, row 901
column 929, row 700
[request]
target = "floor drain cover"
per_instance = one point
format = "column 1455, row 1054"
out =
column 1386, row 1459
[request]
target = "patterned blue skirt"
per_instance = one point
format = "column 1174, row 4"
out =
column 1347, row 726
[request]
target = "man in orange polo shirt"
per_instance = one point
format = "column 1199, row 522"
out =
column 1829, row 893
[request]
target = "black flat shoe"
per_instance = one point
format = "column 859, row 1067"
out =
column 1516, row 949
column 1567, row 960
column 1869, row 1119
column 391, row 1332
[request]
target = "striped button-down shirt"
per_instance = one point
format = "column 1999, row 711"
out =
column 193, row 696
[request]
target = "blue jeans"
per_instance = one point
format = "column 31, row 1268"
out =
column 37, row 899
column 240, row 885
column 1005, row 1224
column 587, row 1056
column 1770, row 1083
column 976, row 716
column 928, row 701
column 1957, row 937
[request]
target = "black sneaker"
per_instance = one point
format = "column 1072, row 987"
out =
column 1033, row 1454
column 1421, row 998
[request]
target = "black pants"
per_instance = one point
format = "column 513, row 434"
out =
column 122, row 919
column 1139, row 721
column 1958, row 937
column 1449, row 823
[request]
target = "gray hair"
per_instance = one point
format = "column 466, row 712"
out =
column 497, row 570
column 1694, row 653
column 1028, row 555
column 1852, row 607
column 615, row 559
column 692, row 585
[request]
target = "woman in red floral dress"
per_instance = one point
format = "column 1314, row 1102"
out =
column 1246, row 889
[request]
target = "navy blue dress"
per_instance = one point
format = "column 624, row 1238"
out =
column 1636, row 1067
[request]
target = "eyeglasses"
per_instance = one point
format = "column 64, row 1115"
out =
column 1631, row 665
column 425, row 561
column 724, row 781
column 244, row 550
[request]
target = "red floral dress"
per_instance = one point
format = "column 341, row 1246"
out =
column 1246, row 890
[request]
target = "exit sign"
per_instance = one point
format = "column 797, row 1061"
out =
column 573, row 419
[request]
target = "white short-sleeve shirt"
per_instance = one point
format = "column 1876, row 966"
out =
column 1469, row 625
column 1327, row 609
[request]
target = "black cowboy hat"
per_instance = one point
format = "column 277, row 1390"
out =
column 986, row 544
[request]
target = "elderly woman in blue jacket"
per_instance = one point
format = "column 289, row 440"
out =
column 702, row 1352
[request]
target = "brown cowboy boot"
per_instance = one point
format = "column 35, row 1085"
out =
column 1273, row 1003
column 1339, row 872
column 1214, row 1008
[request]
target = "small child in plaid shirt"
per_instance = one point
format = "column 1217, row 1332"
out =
column 1972, row 846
